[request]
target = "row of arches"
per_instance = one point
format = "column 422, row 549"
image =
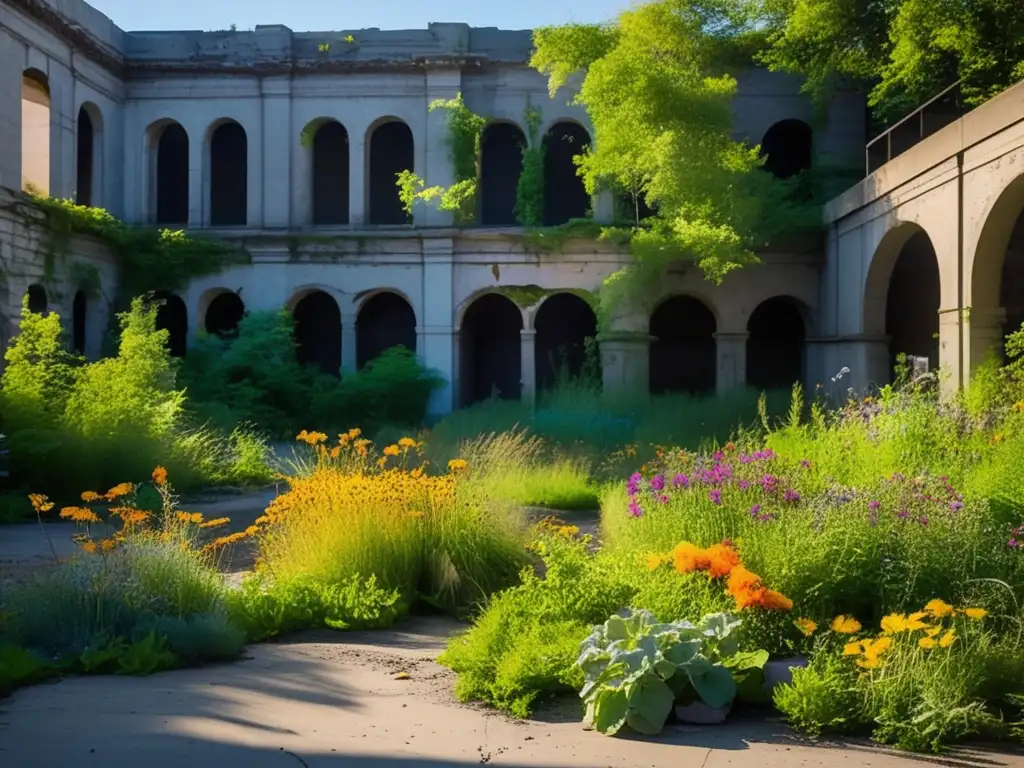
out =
column 39, row 303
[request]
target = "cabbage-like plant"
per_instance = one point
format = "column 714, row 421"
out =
column 636, row 667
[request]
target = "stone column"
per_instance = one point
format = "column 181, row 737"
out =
column 528, row 365
column 357, row 161
column 12, row 62
column 604, row 206
column 436, row 336
column 625, row 362
column 198, row 181
column 348, row 343
column 442, row 83
column 63, row 140
column 983, row 337
column 730, row 361
column 276, row 154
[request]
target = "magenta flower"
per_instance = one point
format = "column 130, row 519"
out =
column 874, row 505
column 681, row 481
column 806, row 463
column 657, row 482
column 715, row 495
column 743, row 485
column 791, row 495
column 663, row 499
column 635, row 510
column 955, row 506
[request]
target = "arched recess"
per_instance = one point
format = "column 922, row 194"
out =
column 788, row 148
column 563, row 324
column 172, row 316
column 565, row 196
column 902, row 294
column 385, row 320
column 223, row 314
column 35, row 131
column 89, row 157
column 330, row 150
column 169, row 144
column 683, row 353
column 391, row 152
column 501, row 163
column 318, row 331
column 79, row 313
column 229, row 177
column 776, row 352
column 490, row 346
column 38, row 301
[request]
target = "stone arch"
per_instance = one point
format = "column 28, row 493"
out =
column 35, row 131
column 683, row 356
column 172, row 316
column 89, row 154
column 788, row 148
column 565, row 194
column 501, row 163
column 391, row 151
column 224, row 311
column 384, row 320
column 228, row 153
column 169, row 146
column 776, row 343
column 38, row 301
column 902, row 294
column 79, row 313
column 318, row 330
column 329, row 150
column 490, row 347
column 563, row 323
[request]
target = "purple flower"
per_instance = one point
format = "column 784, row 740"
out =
column 755, row 510
column 715, row 495
column 955, row 506
column 681, row 481
column 635, row 510
column 1013, row 544
column 923, row 520
column 874, row 505
column 770, row 483
column 791, row 495
column 903, row 514
column 718, row 456
column 663, row 499
column 634, row 483
column 657, row 482
column 806, row 463
column 743, row 485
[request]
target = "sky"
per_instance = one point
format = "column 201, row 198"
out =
column 319, row 15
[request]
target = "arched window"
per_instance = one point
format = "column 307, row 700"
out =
column 391, row 152
column 501, row 163
column 491, row 349
column 229, row 177
column 35, row 132
column 683, row 353
column 171, row 182
column 330, row 173
column 565, row 196
column 318, row 332
column 224, row 313
column 788, row 147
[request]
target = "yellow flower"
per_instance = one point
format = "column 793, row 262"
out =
column 806, row 626
column 926, row 642
column 40, row 503
column 932, row 631
column 975, row 613
column 897, row 622
column 407, row 442
column 845, row 625
column 88, row 546
column 119, row 490
column 869, row 662
column 354, row 433
column 947, row 639
column 107, row 545
column 654, row 562
column 939, row 608
column 391, row 450
column 456, row 465
column 79, row 515
column 215, row 522
column 90, row 496
column 194, row 518
column 159, row 476
column 853, row 648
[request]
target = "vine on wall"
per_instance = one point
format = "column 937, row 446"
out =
column 530, row 187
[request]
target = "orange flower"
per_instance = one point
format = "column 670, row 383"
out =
column 159, row 476
column 689, row 557
column 722, row 559
column 224, row 541
column 194, row 518
column 119, row 490
column 90, row 496
column 742, row 580
column 215, row 522
column 775, row 601
column 79, row 515
column 391, row 450
column 40, row 503
column 655, row 561
column 89, row 546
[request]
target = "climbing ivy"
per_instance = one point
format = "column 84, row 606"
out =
column 530, row 187
column 85, row 278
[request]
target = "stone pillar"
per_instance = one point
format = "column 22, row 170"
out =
column 604, row 207
column 983, row 337
column 442, row 83
column 348, row 343
column 357, row 162
column 12, row 62
column 953, row 348
column 528, row 365
column 198, row 182
column 63, row 140
column 436, row 339
column 625, row 363
column 730, row 361
column 276, row 154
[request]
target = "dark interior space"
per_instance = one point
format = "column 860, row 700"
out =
column 229, row 176
column 79, row 310
column 491, row 356
column 385, row 321
column 683, row 354
column 172, row 175
column 501, row 163
column 1011, row 289
column 565, row 197
column 564, row 322
column 775, row 346
column 912, row 303
column 224, row 314
column 330, row 174
column 318, row 332
column 172, row 316
column 391, row 152
column 83, row 179
column 37, row 299
column 788, row 147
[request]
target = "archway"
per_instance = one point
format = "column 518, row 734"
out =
column 491, row 349
column 385, row 320
column 88, row 130
column 330, row 173
column 788, row 148
column 318, row 332
column 224, row 313
column 565, row 196
column 564, row 322
column 171, row 183
column 683, row 353
column 229, row 175
column 38, row 301
column 172, row 316
column 391, row 152
column 79, row 312
column 775, row 345
column 501, row 163
column 35, row 132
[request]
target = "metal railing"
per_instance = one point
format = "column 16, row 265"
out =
column 929, row 118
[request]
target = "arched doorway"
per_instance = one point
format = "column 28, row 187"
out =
column 683, row 353
column 491, row 349
column 391, row 152
column 79, row 313
column 564, row 322
column 35, row 132
column 565, row 196
column 775, row 345
column 38, row 301
column 171, row 183
column 330, row 173
column 788, row 148
column 224, row 313
column 318, row 332
column 229, row 178
column 172, row 316
column 89, row 152
column 501, row 163
column 385, row 320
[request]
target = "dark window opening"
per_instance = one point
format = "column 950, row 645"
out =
column 683, row 355
column 788, row 147
column 501, row 163
column 491, row 350
column 86, row 136
column 385, row 321
column 565, row 196
column 775, row 346
column 330, row 174
column 172, row 316
column 224, row 314
column 318, row 332
column 172, row 175
column 229, row 176
column 1011, row 287
column 79, row 310
column 564, row 323
column 38, row 302
column 912, row 303
column 391, row 152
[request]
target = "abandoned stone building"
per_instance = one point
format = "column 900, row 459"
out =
column 289, row 143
